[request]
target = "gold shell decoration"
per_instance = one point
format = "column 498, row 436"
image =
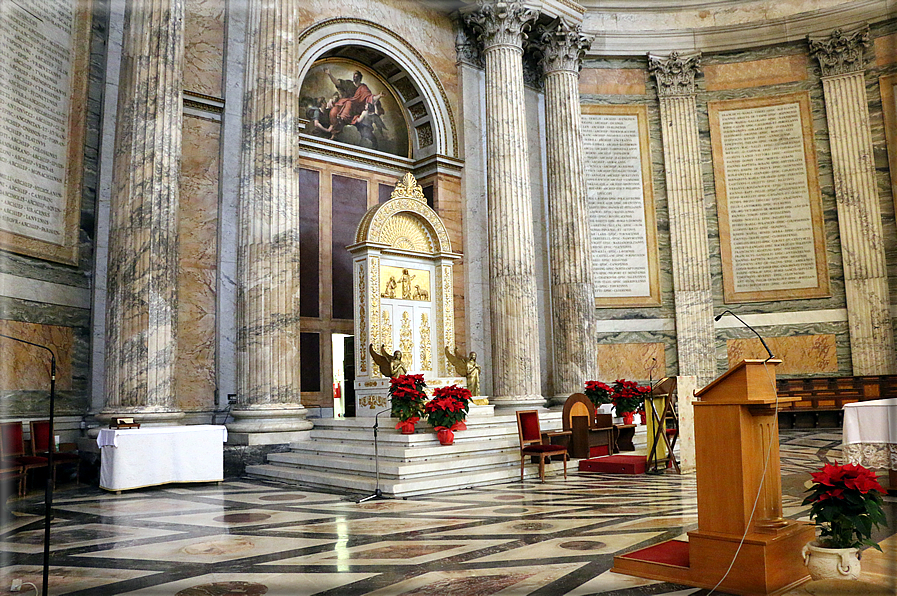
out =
column 405, row 232
column 408, row 188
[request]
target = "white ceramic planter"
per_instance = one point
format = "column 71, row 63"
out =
column 831, row 563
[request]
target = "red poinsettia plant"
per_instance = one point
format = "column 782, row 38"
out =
column 407, row 398
column 448, row 408
column 628, row 396
column 845, row 503
column 598, row 393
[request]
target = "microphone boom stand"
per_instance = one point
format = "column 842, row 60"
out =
column 48, row 498
column 378, row 494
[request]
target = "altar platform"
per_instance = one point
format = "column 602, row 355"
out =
column 339, row 455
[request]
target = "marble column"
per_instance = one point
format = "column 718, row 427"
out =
column 141, row 307
column 695, row 337
column 572, row 293
column 268, row 392
column 842, row 63
column 516, row 367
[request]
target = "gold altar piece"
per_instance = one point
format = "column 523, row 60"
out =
column 466, row 367
column 390, row 366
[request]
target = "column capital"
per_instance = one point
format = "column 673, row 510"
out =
column 501, row 23
column 675, row 74
column 563, row 47
column 840, row 53
column 467, row 49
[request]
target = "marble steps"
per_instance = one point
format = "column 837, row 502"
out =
column 339, row 455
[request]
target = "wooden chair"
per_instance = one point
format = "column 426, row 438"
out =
column 532, row 444
column 589, row 428
column 42, row 440
column 12, row 450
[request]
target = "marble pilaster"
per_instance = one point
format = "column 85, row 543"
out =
column 268, row 391
column 141, row 308
column 695, row 339
column 572, row 293
column 842, row 63
column 516, row 367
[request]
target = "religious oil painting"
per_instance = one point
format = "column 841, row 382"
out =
column 348, row 102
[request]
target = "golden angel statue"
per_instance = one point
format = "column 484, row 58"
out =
column 466, row 367
column 390, row 366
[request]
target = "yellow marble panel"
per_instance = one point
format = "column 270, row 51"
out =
column 612, row 81
column 631, row 361
column 27, row 368
column 756, row 73
column 886, row 50
column 799, row 353
column 197, row 274
column 204, row 46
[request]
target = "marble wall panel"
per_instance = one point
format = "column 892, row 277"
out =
column 448, row 205
column 27, row 368
column 197, row 273
column 204, row 24
column 426, row 30
column 800, row 354
column 612, row 81
column 641, row 361
column 885, row 48
column 756, row 73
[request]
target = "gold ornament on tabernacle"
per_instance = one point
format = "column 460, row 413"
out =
column 406, row 339
column 405, row 232
column 375, row 299
column 408, row 188
column 425, row 349
column 402, row 283
column 362, row 358
column 373, row 401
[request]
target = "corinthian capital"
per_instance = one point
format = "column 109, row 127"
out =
column 840, row 53
column 675, row 74
column 501, row 23
column 563, row 47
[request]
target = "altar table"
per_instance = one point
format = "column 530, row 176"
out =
column 870, row 435
column 150, row 456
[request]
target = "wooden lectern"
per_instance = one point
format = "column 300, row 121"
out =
column 736, row 433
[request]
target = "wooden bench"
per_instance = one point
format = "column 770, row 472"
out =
column 821, row 398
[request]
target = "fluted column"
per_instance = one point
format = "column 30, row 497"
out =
column 516, row 368
column 859, row 214
column 268, row 397
column 141, row 312
column 695, row 335
column 572, row 293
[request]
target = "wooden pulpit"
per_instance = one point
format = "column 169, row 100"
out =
column 736, row 438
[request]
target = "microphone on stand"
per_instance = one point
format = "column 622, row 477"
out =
column 768, row 351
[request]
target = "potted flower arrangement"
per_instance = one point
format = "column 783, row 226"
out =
column 598, row 393
column 845, row 503
column 628, row 397
column 407, row 398
column 447, row 410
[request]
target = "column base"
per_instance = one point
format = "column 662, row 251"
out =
column 269, row 419
column 146, row 416
column 508, row 404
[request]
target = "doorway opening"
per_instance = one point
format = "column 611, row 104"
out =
column 343, row 375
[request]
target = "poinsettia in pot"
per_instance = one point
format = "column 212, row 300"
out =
column 845, row 504
column 628, row 397
column 407, row 398
column 598, row 393
column 447, row 411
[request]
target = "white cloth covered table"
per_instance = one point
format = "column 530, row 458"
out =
column 870, row 433
column 149, row 456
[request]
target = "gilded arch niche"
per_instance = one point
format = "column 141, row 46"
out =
column 403, row 296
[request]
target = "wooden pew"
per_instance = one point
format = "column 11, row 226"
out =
column 821, row 398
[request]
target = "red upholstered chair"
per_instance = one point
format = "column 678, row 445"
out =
column 531, row 444
column 12, row 449
column 41, row 443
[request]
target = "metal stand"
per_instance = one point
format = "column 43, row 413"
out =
column 378, row 494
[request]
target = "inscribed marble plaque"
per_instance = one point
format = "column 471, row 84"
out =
column 621, row 205
column 768, row 200
column 43, row 88
column 888, row 86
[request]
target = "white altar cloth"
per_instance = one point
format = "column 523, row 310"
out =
column 149, row 456
column 870, row 433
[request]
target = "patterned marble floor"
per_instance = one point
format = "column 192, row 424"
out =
column 241, row 537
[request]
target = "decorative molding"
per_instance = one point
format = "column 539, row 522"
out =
column 675, row 74
column 501, row 23
column 467, row 49
column 563, row 47
column 840, row 53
